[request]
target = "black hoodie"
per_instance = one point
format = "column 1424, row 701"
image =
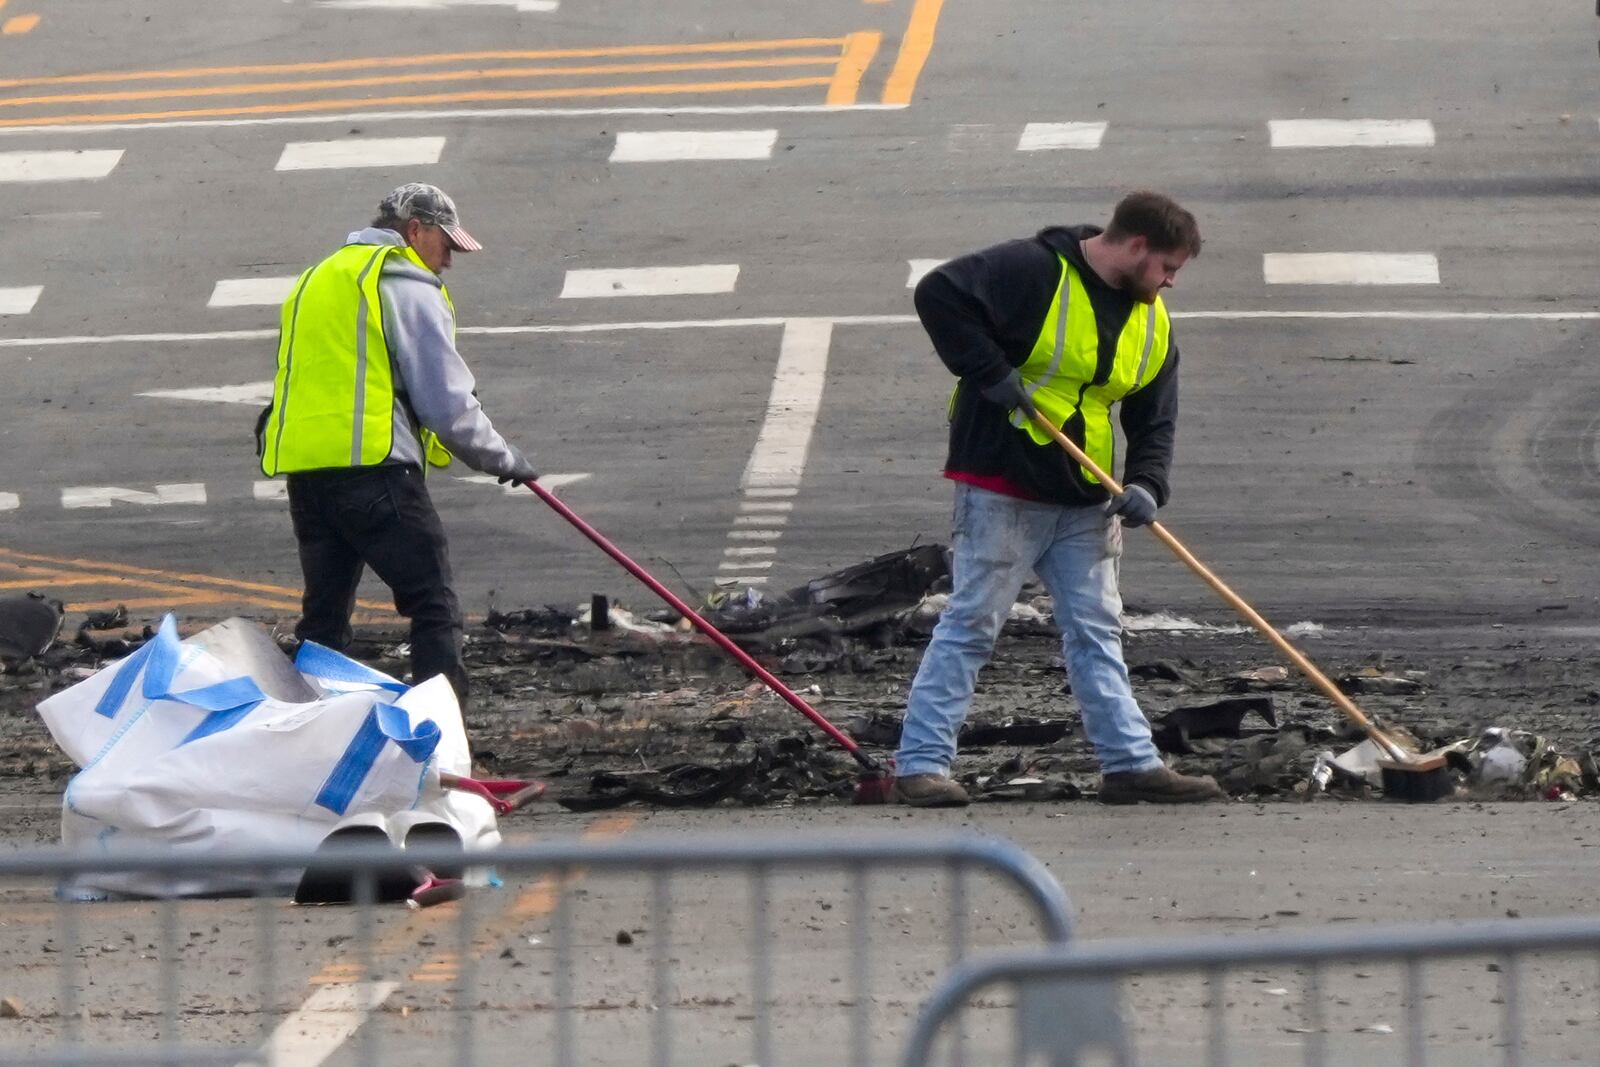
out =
column 983, row 313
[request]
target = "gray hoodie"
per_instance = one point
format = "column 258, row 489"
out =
column 433, row 389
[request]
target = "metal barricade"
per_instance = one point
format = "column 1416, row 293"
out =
column 1506, row 992
column 693, row 949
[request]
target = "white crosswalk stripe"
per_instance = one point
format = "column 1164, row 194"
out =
column 19, row 300
column 361, row 152
column 677, row 145
column 250, row 292
column 1350, row 133
column 1350, row 268
column 58, row 166
column 1055, row 136
column 651, row 281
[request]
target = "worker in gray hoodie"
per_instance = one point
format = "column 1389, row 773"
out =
column 370, row 392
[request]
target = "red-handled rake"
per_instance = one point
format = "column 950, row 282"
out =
column 877, row 778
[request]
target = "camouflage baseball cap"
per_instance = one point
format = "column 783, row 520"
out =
column 429, row 204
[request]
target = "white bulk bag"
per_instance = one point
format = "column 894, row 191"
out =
column 182, row 748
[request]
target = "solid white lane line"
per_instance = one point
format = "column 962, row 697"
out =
column 9, row 502
column 256, row 393
column 651, row 281
column 361, row 152
column 920, row 269
column 324, row 1022
column 60, row 166
column 1232, row 315
column 103, row 496
column 250, row 292
column 19, row 300
column 1350, row 268
column 1350, row 133
column 457, row 113
column 658, row 146
column 779, row 458
column 1053, row 136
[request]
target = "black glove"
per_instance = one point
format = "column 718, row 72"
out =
column 1136, row 506
column 1009, row 393
column 521, row 470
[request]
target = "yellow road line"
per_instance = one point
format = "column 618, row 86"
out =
column 914, row 49
column 539, row 898
column 436, row 98
column 407, row 79
column 859, row 48
column 179, row 589
column 56, row 581
column 129, row 569
column 18, row 25
column 374, row 62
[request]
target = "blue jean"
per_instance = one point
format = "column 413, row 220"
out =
column 1075, row 551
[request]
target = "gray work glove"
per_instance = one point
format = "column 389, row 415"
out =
column 521, row 470
column 1009, row 393
column 1136, row 506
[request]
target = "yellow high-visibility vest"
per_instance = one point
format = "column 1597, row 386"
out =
column 333, row 394
column 1060, row 374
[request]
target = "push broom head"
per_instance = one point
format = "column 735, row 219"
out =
column 1420, row 780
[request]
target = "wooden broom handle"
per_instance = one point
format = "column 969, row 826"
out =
column 1238, row 603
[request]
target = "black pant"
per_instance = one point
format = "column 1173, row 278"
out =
column 383, row 518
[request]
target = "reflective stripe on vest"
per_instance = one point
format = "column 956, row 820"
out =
column 333, row 394
column 1059, row 374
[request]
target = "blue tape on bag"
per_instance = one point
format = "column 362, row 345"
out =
column 384, row 723
column 228, row 701
column 320, row 661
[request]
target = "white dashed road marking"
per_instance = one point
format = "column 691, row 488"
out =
column 778, row 461
column 667, row 145
column 250, row 292
column 323, row 1023
column 269, row 490
column 361, row 152
column 58, row 166
column 549, row 481
column 250, row 393
column 1052, row 136
column 1350, row 133
column 920, row 269
column 1350, row 268
column 20, row 299
column 103, row 496
column 10, row 502
column 651, row 281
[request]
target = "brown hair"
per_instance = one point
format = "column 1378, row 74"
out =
column 1158, row 219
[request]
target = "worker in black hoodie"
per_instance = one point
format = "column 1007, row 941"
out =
column 1068, row 324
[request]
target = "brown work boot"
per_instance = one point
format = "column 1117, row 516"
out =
column 930, row 791
column 1161, row 785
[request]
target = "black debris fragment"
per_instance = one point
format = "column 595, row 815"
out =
column 29, row 625
column 1221, row 718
